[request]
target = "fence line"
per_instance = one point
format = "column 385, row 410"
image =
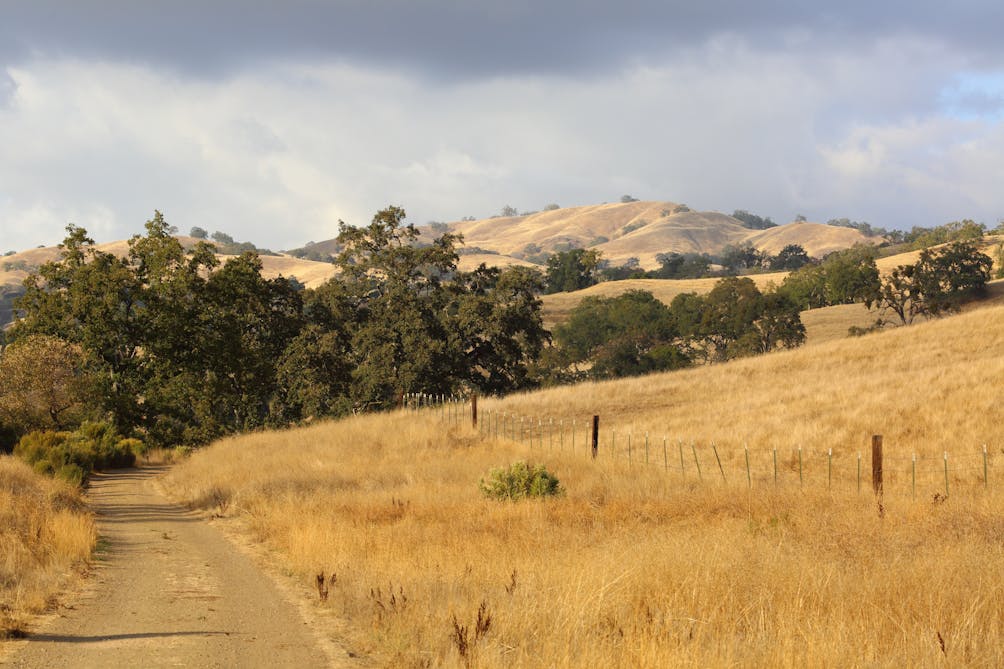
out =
column 688, row 460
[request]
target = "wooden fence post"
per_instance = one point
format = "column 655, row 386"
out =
column 877, row 464
column 596, row 435
column 474, row 410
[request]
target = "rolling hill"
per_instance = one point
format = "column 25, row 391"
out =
column 15, row 268
column 621, row 231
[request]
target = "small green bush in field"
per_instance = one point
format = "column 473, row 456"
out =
column 520, row 480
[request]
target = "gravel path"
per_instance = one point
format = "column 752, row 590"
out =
column 169, row 591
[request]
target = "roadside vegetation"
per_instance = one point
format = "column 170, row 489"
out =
column 46, row 538
column 637, row 566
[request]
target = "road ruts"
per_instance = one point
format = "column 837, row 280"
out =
column 168, row 591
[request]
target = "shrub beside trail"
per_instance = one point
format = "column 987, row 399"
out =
column 72, row 456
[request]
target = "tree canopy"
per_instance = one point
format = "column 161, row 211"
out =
column 571, row 270
column 939, row 282
column 182, row 349
column 634, row 333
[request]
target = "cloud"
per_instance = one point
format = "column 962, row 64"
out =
column 470, row 39
column 8, row 88
column 278, row 153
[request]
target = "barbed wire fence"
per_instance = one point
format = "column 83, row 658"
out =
column 852, row 469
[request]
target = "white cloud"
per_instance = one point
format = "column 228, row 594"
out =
column 277, row 155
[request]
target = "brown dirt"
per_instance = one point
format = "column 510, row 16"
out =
column 169, row 590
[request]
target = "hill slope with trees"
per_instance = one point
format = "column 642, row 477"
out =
column 624, row 232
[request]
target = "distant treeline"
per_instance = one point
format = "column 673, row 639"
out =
column 225, row 244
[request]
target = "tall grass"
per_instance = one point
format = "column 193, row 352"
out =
column 45, row 534
column 635, row 566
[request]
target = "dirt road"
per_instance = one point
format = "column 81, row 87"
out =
column 169, row 591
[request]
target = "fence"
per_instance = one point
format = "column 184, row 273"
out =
column 860, row 470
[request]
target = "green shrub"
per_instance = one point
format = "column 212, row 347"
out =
column 72, row 474
column 74, row 455
column 36, row 449
column 520, row 480
column 138, row 447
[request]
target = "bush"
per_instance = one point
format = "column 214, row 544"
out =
column 520, row 480
column 74, row 455
column 72, row 474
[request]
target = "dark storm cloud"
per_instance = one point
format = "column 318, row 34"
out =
column 462, row 37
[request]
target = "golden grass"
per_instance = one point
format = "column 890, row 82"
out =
column 642, row 567
column 816, row 238
column 830, row 323
column 470, row 262
column 310, row 273
column 46, row 533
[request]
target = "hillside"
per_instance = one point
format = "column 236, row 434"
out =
column 621, row 231
column 817, row 239
column 680, row 562
column 15, row 268
column 821, row 324
column 643, row 230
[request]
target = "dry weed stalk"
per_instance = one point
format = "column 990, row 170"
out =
column 461, row 637
column 322, row 585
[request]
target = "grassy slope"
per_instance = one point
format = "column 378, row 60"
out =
column 310, row 273
column 640, row 567
column 820, row 324
column 641, row 230
column 45, row 532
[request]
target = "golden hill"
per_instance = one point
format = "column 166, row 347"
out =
column 817, row 239
column 622, row 231
column 471, row 261
column 310, row 273
column 643, row 230
column 677, row 561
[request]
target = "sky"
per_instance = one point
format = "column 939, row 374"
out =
column 273, row 121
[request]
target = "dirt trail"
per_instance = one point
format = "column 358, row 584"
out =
column 169, row 591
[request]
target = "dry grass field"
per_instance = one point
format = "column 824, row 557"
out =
column 660, row 565
column 46, row 534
